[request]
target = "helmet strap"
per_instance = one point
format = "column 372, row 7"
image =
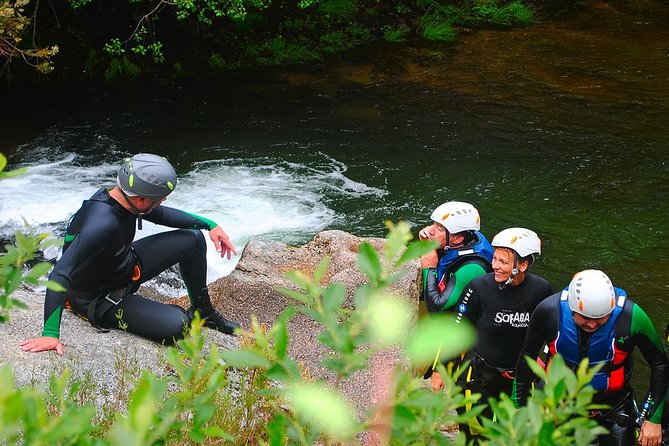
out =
column 137, row 212
column 514, row 273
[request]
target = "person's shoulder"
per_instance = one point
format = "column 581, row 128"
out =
column 539, row 282
column 100, row 212
column 474, row 263
column 551, row 301
column 536, row 278
column 548, row 306
column 483, row 279
column 482, row 282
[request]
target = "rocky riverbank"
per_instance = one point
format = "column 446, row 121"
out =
column 249, row 290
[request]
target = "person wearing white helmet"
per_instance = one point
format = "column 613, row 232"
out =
column 592, row 318
column 499, row 305
column 462, row 254
column 101, row 268
column 517, row 248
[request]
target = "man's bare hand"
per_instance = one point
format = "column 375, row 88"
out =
column 222, row 242
column 42, row 344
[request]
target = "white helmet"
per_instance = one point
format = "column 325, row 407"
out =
column 457, row 216
column 591, row 294
column 523, row 241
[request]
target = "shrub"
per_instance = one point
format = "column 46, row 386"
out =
column 275, row 401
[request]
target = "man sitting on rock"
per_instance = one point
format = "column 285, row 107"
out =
column 101, row 268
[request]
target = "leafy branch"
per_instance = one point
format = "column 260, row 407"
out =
column 13, row 27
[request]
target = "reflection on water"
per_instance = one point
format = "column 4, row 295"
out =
column 561, row 127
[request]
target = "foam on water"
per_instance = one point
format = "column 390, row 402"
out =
column 269, row 197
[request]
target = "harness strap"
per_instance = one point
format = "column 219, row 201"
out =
column 90, row 314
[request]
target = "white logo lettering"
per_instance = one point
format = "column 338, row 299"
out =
column 518, row 320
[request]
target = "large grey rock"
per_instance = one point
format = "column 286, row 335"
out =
column 248, row 290
column 103, row 359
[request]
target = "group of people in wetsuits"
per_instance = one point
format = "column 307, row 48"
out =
column 518, row 315
column 515, row 313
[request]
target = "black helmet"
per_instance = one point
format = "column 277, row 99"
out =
column 146, row 175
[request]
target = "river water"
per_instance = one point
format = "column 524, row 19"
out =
column 561, row 128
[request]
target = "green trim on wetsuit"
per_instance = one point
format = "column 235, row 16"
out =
column 462, row 277
column 426, row 272
column 459, row 280
column 210, row 224
column 52, row 324
column 444, row 295
column 641, row 324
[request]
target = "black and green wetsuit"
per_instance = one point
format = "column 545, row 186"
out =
column 443, row 285
column 100, row 257
column 632, row 328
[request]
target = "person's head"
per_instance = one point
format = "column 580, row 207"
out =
column 454, row 223
column 149, row 177
column 514, row 253
column 591, row 299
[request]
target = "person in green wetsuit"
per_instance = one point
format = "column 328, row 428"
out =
column 592, row 318
column 101, row 268
column 463, row 253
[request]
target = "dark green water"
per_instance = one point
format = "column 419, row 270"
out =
column 561, row 128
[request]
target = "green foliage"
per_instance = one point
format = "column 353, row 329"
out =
column 491, row 12
column 208, row 10
column 438, row 17
column 395, row 35
column 438, row 334
column 121, row 68
column 14, row 24
column 217, row 61
column 379, row 320
column 14, row 257
column 338, row 41
column 555, row 415
column 418, row 415
column 433, row 27
column 520, row 13
column 252, row 32
column 143, row 45
column 31, row 416
column 156, row 414
column 75, row 4
column 143, row 40
column 91, row 63
column 344, row 9
column 279, row 51
column 276, row 402
column 13, row 173
column 114, row 47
